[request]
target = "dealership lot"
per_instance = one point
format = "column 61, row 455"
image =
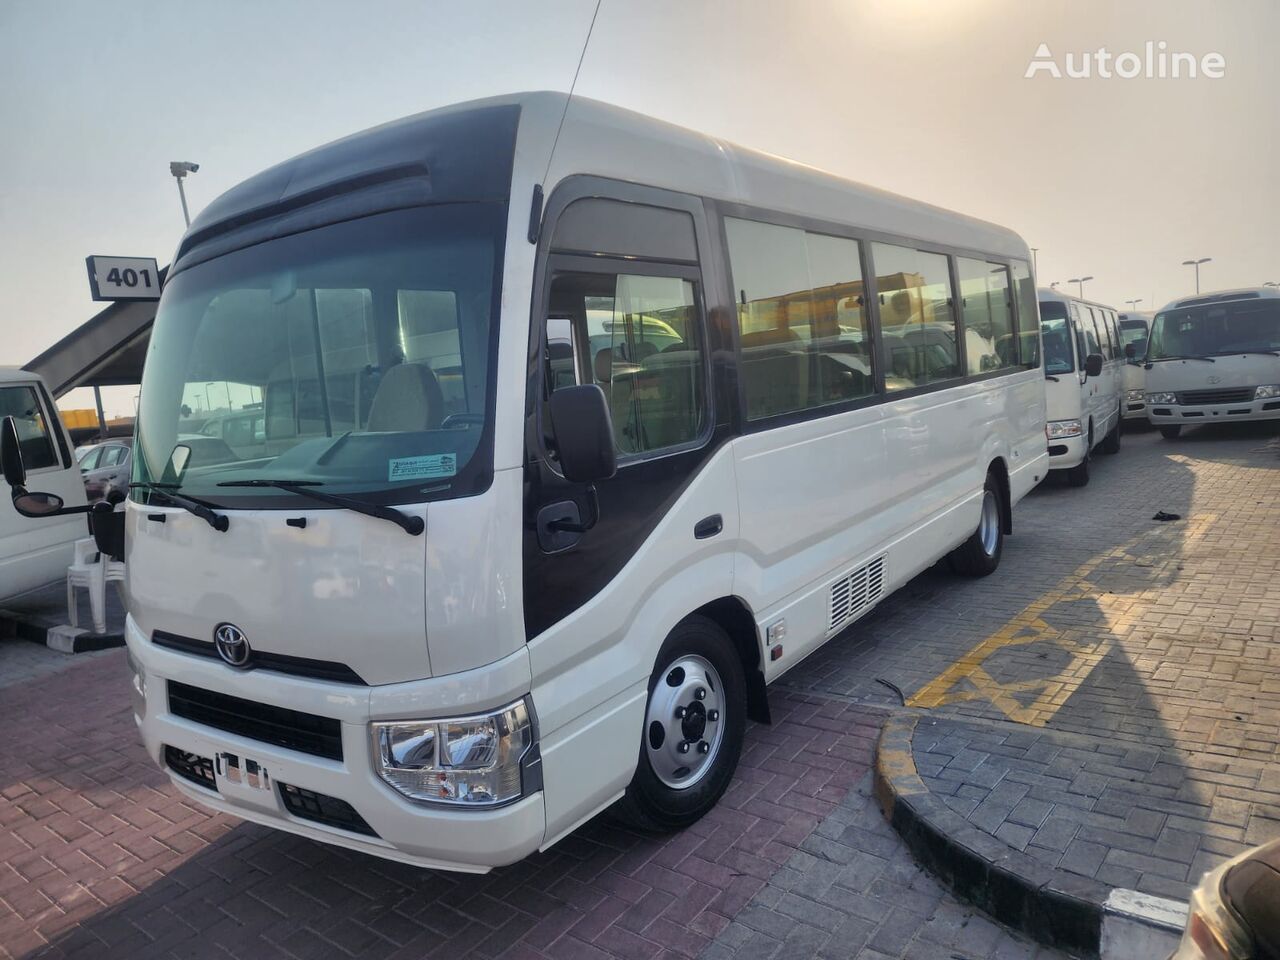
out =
column 1133, row 661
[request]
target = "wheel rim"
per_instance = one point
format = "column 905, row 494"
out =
column 989, row 527
column 684, row 725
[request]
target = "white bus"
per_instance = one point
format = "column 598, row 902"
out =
column 1135, row 328
column 1084, row 376
column 567, row 454
column 1214, row 357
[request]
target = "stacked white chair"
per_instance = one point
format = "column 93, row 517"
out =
column 92, row 571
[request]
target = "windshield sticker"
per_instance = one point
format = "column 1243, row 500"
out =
column 422, row 468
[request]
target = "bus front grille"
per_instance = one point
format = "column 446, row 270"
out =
column 1231, row 395
column 293, row 729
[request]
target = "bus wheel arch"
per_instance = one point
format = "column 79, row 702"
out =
column 736, row 619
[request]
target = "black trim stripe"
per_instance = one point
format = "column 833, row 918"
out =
column 293, row 729
column 261, row 660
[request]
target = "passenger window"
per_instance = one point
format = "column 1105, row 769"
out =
column 33, row 433
column 1028, row 315
column 801, row 318
column 1090, row 327
column 917, row 316
column 987, row 316
column 643, row 347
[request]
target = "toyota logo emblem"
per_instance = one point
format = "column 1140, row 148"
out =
column 232, row 644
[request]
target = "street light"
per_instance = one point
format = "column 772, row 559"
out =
column 1054, row 285
column 1196, row 264
column 180, row 169
column 1272, row 283
column 1035, row 260
column 1133, row 304
column 1080, row 280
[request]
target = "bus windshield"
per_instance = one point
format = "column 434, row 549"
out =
column 357, row 356
column 1216, row 329
column 1056, row 331
column 1134, row 332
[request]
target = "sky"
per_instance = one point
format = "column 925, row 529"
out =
column 1121, row 179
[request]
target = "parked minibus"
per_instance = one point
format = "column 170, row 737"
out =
column 1214, row 357
column 570, row 448
column 36, row 551
column 1084, row 376
column 1135, row 328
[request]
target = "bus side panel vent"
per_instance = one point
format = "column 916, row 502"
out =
column 856, row 592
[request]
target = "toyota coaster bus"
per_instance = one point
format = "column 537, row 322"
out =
column 1214, row 357
column 570, row 447
column 1084, row 377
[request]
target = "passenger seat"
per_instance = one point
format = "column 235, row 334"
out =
column 408, row 400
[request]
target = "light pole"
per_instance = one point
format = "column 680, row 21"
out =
column 1080, row 280
column 180, row 169
column 1035, row 260
column 1272, row 283
column 1054, row 285
column 1196, row 264
column 1133, row 304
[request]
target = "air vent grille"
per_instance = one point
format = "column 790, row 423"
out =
column 854, row 593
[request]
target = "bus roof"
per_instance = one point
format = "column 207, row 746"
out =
column 1044, row 294
column 599, row 139
column 1223, row 296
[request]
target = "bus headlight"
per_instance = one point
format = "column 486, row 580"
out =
column 1134, row 396
column 1061, row 429
column 477, row 761
column 1162, row 398
column 1267, row 391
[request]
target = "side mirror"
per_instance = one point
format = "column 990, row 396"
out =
column 1093, row 365
column 583, row 432
column 15, row 474
column 1130, row 351
column 36, row 504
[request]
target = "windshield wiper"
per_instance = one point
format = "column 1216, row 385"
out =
column 409, row 524
column 1151, row 360
column 165, row 492
column 1260, row 353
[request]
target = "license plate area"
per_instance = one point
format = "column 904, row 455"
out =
column 241, row 771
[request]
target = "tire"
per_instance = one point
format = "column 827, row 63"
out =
column 1078, row 476
column 1111, row 442
column 980, row 554
column 660, row 798
column 1170, row 431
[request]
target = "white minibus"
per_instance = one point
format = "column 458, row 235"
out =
column 1214, row 358
column 1135, row 328
column 36, row 551
column 1084, row 376
column 570, row 447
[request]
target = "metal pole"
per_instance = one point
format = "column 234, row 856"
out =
column 102, row 417
column 182, row 194
column 1035, row 260
column 1197, row 278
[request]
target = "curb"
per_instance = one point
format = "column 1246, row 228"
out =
column 63, row 638
column 1056, row 908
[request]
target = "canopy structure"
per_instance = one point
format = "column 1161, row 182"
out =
column 107, row 350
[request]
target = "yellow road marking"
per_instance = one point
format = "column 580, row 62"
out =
column 967, row 678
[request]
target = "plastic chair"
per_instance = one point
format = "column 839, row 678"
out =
column 89, row 573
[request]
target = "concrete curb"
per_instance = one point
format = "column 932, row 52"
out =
column 61, row 637
column 1057, row 908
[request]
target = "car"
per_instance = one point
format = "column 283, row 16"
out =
column 1233, row 912
column 105, row 468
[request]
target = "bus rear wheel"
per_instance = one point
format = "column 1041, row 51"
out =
column 1171, row 431
column 980, row 554
column 695, row 719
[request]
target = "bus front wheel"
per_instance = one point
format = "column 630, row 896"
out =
column 694, row 724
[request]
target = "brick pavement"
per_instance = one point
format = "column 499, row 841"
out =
column 1109, row 701
column 101, row 857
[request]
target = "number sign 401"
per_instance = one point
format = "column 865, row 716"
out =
column 123, row 278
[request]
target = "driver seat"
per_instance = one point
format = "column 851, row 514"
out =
column 408, row 400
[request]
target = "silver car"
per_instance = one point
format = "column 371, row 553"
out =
column 105, row 468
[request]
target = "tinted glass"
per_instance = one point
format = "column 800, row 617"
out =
column 1056, row 334
column 801, row 318
column 1089, row 329
column 917, row 316
column 986, row 312
column 1028, row 317
column 645, row 352
column 356, row 355
column 1213, row 329
column 33, row 433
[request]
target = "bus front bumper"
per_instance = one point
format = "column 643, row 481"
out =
column 1066, row 452
column 1195, row 414
column 337, row 801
